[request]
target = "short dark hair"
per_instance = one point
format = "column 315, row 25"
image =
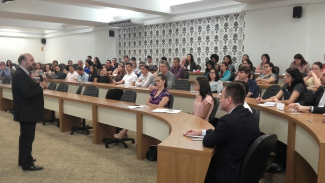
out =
column 133, row 58
column 319, row 64
column 246, row 86
column 113, row 58
column 149, row 57
column 215, row 56
column 142, row 63
column 90, row 56
column 245, row 69
column 205, row 88
column 71, row 66
column 163, row 58
column 164, row 78
column 79, row 68
column 108, row 61
column 70, row 61
column 21, row 58
column 236, row 91
column 130, row 64
column 126, row 56
column 145, row 66
column 177, row 59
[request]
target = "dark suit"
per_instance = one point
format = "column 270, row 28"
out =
column 232, row 136
column 314, row 101
column 28, row 109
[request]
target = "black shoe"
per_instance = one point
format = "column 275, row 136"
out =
column 32, row 168
column 19, row 164
column 274, row 168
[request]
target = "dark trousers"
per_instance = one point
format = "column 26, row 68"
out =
column 26, row 139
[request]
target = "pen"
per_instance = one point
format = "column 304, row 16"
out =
column 309, row 120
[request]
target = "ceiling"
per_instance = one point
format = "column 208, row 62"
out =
column 43, row 18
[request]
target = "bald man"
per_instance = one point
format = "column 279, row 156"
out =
column 28, row 109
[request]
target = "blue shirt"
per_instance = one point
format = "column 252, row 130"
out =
column 226, row 76
column 253, row 88
column 87, row 70
column 83, row 78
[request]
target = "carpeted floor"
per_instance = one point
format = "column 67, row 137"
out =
column 74, row 158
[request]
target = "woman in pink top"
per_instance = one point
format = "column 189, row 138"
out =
column 203, row 104
column 265, row 59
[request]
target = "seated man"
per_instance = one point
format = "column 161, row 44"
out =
column 83, row 76
column 152, row 66
column 244, row 75
column 129, row 78
column 4, row 70
column 177, row 69
column 163, row 67
column 72, row 75
column 314, row 103
column 103, row 78
column 67, row 66
column 114, row 63
column 109, row 68
column 233, row 135
column 146, row 77
column 58, row 73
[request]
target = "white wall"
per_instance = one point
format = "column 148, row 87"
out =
column 79, row 46
column 11, row 48
column 275, row 32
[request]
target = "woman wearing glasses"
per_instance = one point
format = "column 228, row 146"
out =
column 215, row 84
column 268, row 76
column 203, row 103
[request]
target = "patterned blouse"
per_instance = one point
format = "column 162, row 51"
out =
column 156, row 100
column 304, row 69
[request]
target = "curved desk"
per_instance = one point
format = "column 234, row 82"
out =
column 179, row 158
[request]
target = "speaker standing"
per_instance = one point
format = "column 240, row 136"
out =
column 28, row 108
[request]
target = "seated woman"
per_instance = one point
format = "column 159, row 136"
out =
column 225, row 74
column 301, row 64
column 209, row 66
column 120, row 72
column 215, row 84
column 158, row 98
column 250, row 65
column 93, row 75
column 204, row 103
column 313, row 78
column 48, row 73
column 87, row 67
column 265, row 59
column 268, row 76
column 227, row 59
column 38, row 70
column 293, row 90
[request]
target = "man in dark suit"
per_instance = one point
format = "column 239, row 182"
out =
column 233, row 135
column 314, row 103
column 28, row 108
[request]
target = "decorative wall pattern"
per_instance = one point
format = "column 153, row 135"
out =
column 223, row 35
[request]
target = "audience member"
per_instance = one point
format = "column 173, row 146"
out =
column 301, row 64
column 209, row 65
column 90, row 58
column 214, row 58
column 177, row 69
column 224, row 74
column 114, row 63
column 48, row 72
column 54, row 64
column 141, row 64
column 315, row 103
column 97, row 63
column 158, row 98
column 87, row 67
column 313, row 77
column 4, row 70
column 265, row 59
column 104, row 67
column 72, row 75
column 120, row 72
column 80, row 64
column 246, row 87
column 109, row 67
column 245, row 57
column 244, row 75
column 250, row 65
column 10, row 66
column 58, row 73
column 227, row 59
column 268, row 76
column 292, row 91
column 216, row 85
column 135, row 65
column 129, row 78
column 149, row 59
column 93, row 75
column 183, row 62
column 163, row 67
column 82, row 75
column 164, row 58
column 67, row 66
column 203, row 103
column 103, row 77
column 190, row 64
column 38, row 70
column 233, row 139
column 126, row 59
column 146, row 77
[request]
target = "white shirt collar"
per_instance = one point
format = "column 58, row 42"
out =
column 231, row 110
column 24, row 70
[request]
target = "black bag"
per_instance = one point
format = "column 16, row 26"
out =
column 152, row 153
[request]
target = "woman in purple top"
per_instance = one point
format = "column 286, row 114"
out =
column 158, row 98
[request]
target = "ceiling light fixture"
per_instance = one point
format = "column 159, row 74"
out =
column 7, row 1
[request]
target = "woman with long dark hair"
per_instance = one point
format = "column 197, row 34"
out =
column 215, row 84
column 268, row 76
column 97, row 63
column 87, row 67
column 203, row 103
column 301, row 64
column 93, row 75
column 293, row 90
column 227, row 59
column 10, row 66
column 265, row 59
column 190, row 64
column 120, row 72
column 209, row 65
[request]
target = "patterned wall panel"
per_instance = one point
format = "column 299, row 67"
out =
column 223, row 35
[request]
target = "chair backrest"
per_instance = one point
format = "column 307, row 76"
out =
column 215, row 108
column 186, row 74
column 63, row 87
column 52, row 86
column 255, row 160
column 6, row 80
column 75, row 66
column 182, row 84
column 232, row 78
column 114, row 94
column 91, row 91
column 62, row 66
column 277, row 80
column 129, row 96
column 277, row 70
column 171, row 101
column 79, row 89
column 271, row 91
column 256, row 114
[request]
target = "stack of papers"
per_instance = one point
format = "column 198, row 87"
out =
column 136, row 106
column 268, row 104
column 194, row 91
column 170, row 111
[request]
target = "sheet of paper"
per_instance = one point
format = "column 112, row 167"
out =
column 170, row 111
column 136, row 106
column 197, row 139
column 195, row 136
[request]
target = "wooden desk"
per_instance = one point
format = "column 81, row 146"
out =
column 189, row 159
column 194, row 75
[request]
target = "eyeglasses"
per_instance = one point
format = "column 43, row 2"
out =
column 211, row 72
column 196, row 84
column 266, row 66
